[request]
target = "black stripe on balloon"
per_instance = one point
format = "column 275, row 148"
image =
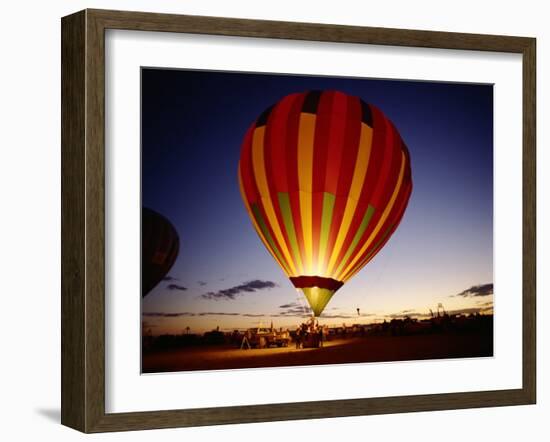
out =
column 262, row 121
column 408, row 159
column 366, row 114
column 311, row 102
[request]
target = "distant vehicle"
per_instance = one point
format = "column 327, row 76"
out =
column 263, row 337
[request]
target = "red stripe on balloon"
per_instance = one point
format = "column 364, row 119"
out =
column 247, row 175
column 278, row 130
column 320, row 149
column 270, row 146
column 320, row 164
column 388, row 183
column 335, row 138
column 352, row 131
column 335, row 141
column 384, row 177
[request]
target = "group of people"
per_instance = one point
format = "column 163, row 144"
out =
column 310, row 331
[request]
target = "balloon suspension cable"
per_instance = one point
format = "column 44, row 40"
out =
column 378, row 275
column 302, row 303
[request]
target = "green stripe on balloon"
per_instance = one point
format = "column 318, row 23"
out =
column 356, row 238
column 263, row 226
column 286, row 211
column 326, row 220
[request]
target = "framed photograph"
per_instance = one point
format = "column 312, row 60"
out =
column 270, row 220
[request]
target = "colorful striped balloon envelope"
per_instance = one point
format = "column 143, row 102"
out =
column 326, row 179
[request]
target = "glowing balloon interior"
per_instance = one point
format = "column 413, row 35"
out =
column 325, row 178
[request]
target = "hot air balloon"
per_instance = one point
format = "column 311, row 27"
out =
column 325, row 179
column 159, row 248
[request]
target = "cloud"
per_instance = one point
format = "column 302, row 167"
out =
column 482, row 307
column 294, row 311
column 293, row 315
column 298, row 312
column 293, row 308
column 176, row 287
column 409, row 313
column 338, row 316
column 301, row 314
column 467, row 311
column 485, row 304
column 201, row 283
column 182, row 314
column 476, row 290
column 290, row 305
column 246, row 287
column 169, row 278
column 218, row 314
column 167, row 315
column 291, row 312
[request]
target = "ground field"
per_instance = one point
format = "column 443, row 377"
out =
column 340, row 351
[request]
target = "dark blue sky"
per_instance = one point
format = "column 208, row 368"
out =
column 192, row 126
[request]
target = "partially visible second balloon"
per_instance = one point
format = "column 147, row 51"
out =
column 159, row 248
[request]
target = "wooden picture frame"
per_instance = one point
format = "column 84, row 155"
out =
column 83, row 220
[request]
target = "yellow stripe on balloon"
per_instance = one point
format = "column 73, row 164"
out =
column 361, row 166
column 381, row 221
column 362, row 163
column 254, row 223
column 306, row 133
column 258, row 166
